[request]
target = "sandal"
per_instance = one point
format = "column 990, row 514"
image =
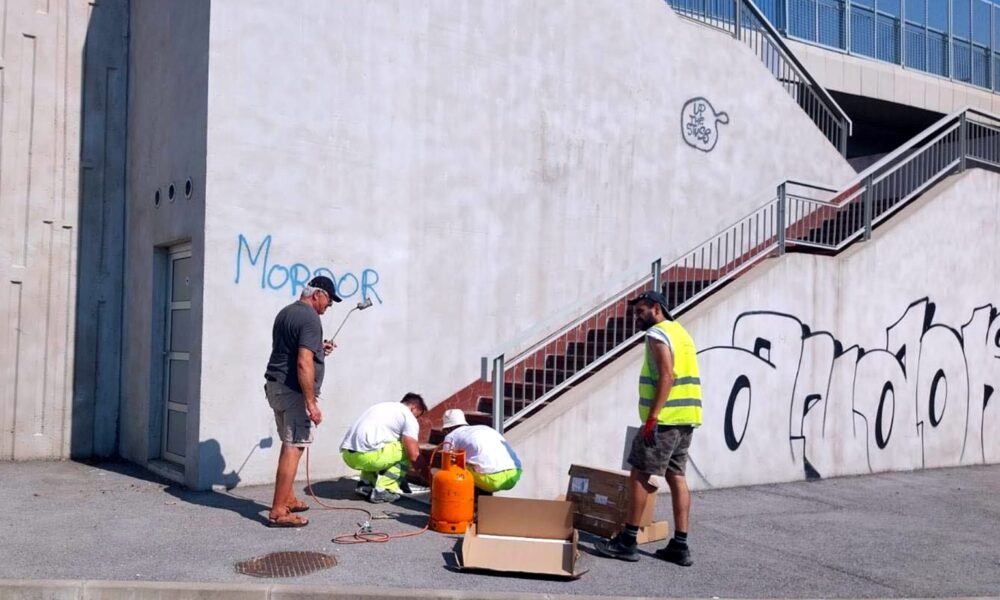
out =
column 288, row 520
column 297, row 506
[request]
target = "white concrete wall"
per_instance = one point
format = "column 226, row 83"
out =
column 483, row 167
column 917, row 300
column 101, row 232
column 61, row 152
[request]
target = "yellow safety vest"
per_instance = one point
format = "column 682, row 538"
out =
column 683, row 406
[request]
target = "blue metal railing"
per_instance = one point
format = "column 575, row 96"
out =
column 958, row 41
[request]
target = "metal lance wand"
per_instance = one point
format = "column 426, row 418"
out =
column 361, row 306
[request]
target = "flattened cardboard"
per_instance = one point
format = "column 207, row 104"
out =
column 654, row 532
column 516, row 535
column 521, row 517
column 520, row 555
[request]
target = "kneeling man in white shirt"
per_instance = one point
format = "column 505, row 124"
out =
column 494, row 465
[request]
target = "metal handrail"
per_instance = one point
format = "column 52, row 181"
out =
column 746, row 16
column 775, row 37
column 876, row 193
column 693, row 276
column 553, row 335
column 632, row 288
column 915, row 141
column 948, row 146
column 811, row 186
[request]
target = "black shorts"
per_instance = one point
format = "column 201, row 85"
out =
column 668, row 455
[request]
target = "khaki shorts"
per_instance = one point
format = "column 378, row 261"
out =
column 668, row 455
column 289, row 406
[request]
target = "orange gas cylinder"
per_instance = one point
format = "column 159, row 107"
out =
column 452, row 494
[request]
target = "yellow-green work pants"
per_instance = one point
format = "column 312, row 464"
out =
column 383, row 469
column 496, row 482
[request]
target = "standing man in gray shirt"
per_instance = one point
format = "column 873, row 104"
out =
column 293, row 378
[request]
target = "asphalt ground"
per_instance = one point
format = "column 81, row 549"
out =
column 932, row 533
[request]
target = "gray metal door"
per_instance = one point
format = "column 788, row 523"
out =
column 177, row 353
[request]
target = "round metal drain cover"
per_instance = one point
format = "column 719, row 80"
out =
column 286, row 564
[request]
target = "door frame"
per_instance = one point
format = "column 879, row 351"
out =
column 174, row 253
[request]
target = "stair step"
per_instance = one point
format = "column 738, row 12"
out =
column 426, row 451
column 589, row 351
column 838, row 227
column 436, row 437
column 546, row 376
column 485, row 404
column 678, row 292
column 563, row 362
column 607, row 337
column 475, row 417
column 625, row 325
column 472, row 417
column 525, row 391
column 511, row 406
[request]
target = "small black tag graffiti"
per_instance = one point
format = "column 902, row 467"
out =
column 699, row 124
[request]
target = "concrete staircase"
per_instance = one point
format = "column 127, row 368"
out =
column 795, row 222
column 559, row 360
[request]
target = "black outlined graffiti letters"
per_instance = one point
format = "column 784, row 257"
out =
column 787, row 403
column 700, row 124
column 982, row 354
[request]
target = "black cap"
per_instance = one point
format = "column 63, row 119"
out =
column 322, row 282
column 653, row 298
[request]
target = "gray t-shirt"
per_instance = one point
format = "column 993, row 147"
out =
column 296, row 326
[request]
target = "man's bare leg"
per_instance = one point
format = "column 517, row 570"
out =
column 680, row 498
column 641, row 489
column 288, row 466
column 676, row 550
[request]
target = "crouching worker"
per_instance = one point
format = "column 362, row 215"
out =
column 382, row 444
column 493, row 464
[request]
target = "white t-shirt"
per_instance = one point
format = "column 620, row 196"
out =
column 658, row 335
column 383, row 423
column 654, row 335
column 485, row 449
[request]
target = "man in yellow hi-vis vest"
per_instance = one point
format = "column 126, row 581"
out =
column 670, row 408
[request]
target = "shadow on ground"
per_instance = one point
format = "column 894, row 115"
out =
column 333, row 489
column 408, row 511
column 216, row 476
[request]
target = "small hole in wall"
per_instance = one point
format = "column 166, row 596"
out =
column 188, row 188
column 156, row 199
column 170, row 192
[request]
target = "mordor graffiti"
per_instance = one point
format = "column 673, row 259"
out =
column 787, row 403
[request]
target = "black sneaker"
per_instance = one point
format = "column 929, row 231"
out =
column 675, row 553
column 614, row 548
column 379, row 496
column 363, row 489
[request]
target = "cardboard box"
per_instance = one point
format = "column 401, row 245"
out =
column 654, row 532
column 600, row 500
column 517, row 535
